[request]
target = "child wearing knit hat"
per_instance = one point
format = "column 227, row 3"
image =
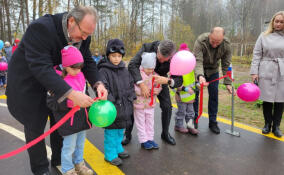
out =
column 144, row 107
column 185, row 96
column 74, row 130
column 120, row 86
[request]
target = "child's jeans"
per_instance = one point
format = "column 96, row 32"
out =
column 112, row 143
column 72, row 150
column 2, row 80
column 185, row 111
column 144, row 121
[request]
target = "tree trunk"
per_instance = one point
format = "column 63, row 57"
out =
column 18, row 23
column 142, row 18
column 23, row 17
column 2, row 34
column 68, row 6
column 49, row 6
column 40, row 8
column 6, row 6
column 161, row 17
column 153, row 18
column 27, row 12
column 34, row 9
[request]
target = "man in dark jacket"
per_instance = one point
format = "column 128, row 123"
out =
column 164, row 51
column 31, row 75
column 210, row 49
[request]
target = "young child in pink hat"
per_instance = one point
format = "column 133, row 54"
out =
column 74, row 130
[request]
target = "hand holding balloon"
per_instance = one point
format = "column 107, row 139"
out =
column 102, row 113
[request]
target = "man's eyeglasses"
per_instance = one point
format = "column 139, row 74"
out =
column 116, row 49
column 82, row 32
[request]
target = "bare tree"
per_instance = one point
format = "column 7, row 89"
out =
column 40, row 8
column 27, row 11
column 2, row 34
column 34, row 9
column 7, row 7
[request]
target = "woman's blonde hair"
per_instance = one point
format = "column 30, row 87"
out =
column 270, row 26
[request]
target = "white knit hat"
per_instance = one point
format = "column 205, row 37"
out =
column 148, row 60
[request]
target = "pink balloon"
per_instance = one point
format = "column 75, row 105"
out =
column 183, row 62
column 248, row 92
column 3, row 66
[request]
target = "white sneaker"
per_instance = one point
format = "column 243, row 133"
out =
column 190, row 124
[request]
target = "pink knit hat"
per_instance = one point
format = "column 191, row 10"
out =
column 70, row 56
column 183, row 46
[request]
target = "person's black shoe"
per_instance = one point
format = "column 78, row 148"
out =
column 57, row 168
column 266, row 129
column 44, row 173
column 168, row 138
column 126, row 140
column 214, row 127
column 276, row 131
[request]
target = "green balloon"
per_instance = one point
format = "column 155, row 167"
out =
column 102, row 113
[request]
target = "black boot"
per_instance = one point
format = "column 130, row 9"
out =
column 214, row 127
column 276, row 131
column 128, row 130
column 266, row 129
column 126, row 140
column 165, row 127
column 267, row 114
column 168, row 138
column 277, row 116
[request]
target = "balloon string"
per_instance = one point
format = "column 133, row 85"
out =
column 40, row 138
column 201, row 93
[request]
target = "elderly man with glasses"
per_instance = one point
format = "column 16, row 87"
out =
column 34, row 61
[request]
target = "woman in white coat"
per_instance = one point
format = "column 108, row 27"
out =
column 267, row 68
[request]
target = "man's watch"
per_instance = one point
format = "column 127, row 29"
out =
column 169, row 81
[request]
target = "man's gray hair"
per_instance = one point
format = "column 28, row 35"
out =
column 79, row 13
column 166, row 48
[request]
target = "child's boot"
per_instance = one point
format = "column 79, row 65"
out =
column 123, row 155
column 117, row 161
column 179, row 126
column 82, row 169
column 71, row 172
column 191, row 128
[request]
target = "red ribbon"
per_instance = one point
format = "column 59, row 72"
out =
column 35, row 141
column 228, row 74
column 40, row 138
column 152, row 91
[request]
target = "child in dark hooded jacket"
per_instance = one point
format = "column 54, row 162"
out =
column 120, row 86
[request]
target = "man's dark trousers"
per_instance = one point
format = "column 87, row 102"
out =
column 166, row 107
column 37, row 153
column 213, row 98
